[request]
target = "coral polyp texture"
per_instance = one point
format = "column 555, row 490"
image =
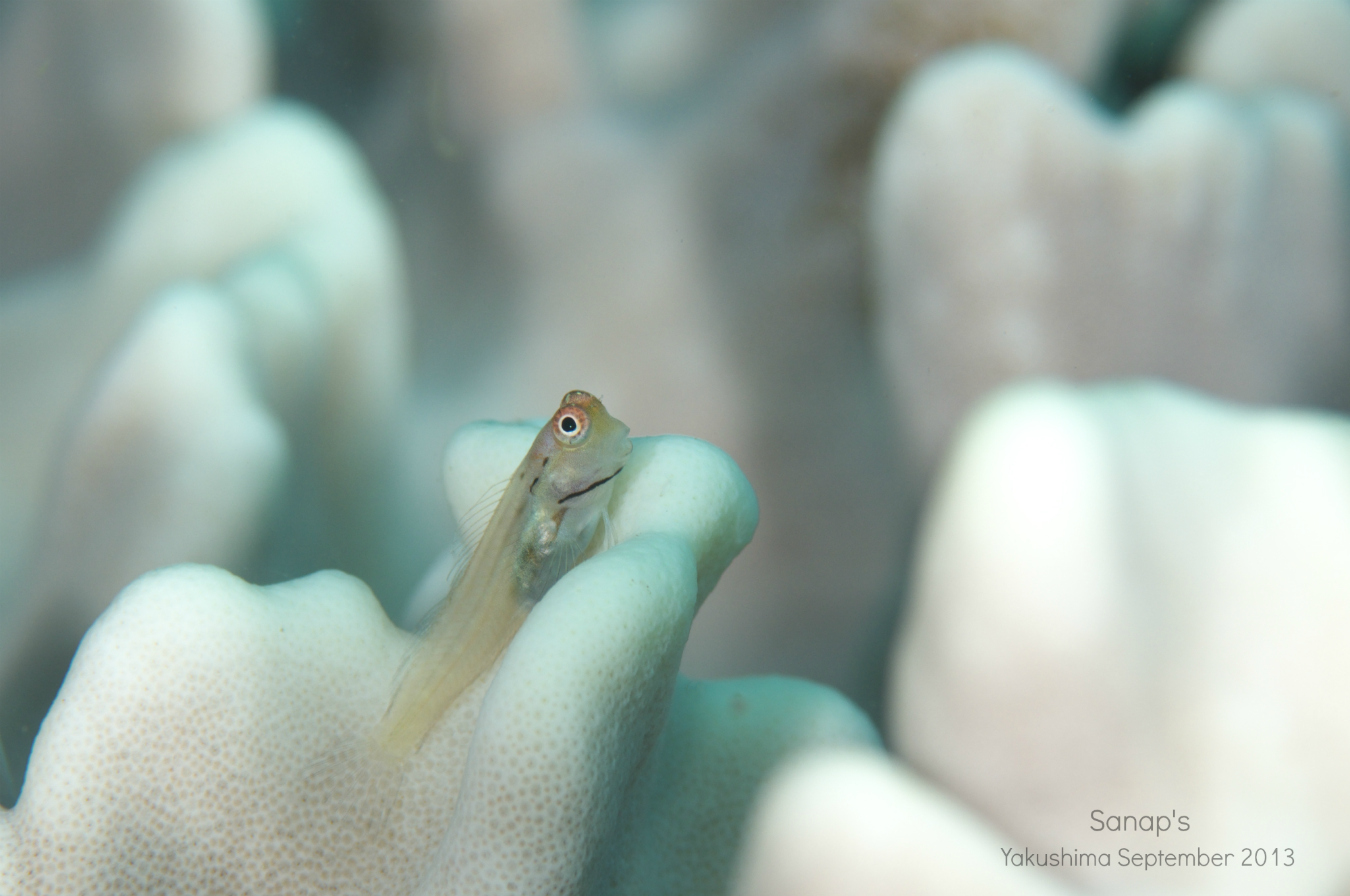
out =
column 208, row 736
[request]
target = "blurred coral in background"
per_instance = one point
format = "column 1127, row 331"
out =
column 260, row 259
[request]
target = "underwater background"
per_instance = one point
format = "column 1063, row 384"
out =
column 1027, row 321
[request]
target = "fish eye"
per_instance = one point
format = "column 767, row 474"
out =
column 571, row 425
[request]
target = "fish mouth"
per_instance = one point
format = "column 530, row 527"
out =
column 592, row 487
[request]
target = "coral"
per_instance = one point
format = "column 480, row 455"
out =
column 1130, row 599
column 857, row 823
column 204, row 737
column 1256, row 46
column 88, row 91
column 704, row 211
column 226, row 363
column 1125, row 598
column 1020, row 232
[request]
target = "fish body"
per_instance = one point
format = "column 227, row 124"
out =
column 546, row 518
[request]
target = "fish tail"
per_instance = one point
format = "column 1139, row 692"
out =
column 461, row 644
column 354, row 781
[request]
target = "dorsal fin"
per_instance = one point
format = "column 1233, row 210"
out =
column 475, row 520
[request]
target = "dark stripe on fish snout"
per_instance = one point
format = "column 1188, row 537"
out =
column 592, row 487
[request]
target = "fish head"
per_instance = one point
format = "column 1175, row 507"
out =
column 580, row 452
column 565, row 485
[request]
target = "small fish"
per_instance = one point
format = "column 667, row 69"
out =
column 544, row 521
